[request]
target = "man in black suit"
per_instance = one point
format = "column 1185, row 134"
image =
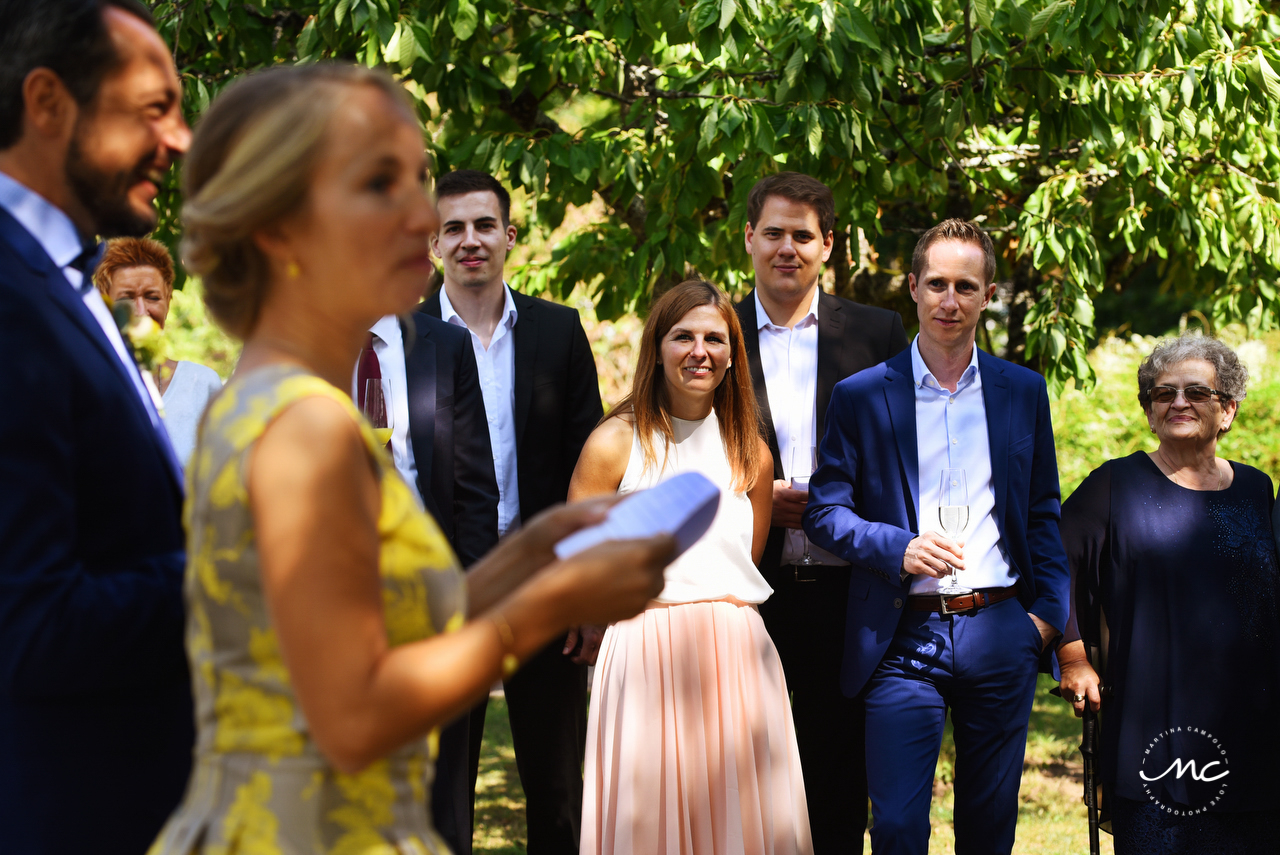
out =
column 800, row 343
column 440, row 444
column 542, row 400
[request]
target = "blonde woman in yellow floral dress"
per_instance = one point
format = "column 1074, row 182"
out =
column 329, row 628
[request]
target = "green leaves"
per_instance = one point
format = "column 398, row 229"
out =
column 464, row 18
column 728, row 8
column 1040, row 21
column 983, row 12
column 862, row 28
column 1107, row 144
column 1267, row 80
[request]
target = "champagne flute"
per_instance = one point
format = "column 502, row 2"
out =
column 801, row 482
column 376, row 411
column 953, row 516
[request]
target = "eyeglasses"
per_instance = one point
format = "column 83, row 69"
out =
column 1193, row 394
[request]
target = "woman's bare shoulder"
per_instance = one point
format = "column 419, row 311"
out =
column 612, row 439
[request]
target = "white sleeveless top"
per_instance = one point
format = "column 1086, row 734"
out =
column 719, row 565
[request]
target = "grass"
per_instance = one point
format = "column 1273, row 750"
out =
column 500, row 824
column 1051, row 816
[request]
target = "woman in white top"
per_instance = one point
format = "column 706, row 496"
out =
column 690, row 742
column 139, row 272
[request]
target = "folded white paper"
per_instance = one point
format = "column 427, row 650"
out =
column 683, row 506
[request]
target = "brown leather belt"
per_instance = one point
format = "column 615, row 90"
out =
column 961, row 603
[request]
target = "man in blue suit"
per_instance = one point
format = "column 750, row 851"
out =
column 911, row 652
column 95, row 706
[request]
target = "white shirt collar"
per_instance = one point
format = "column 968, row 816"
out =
column 46, row 222
column 762, row 317
column 448, row 315
column 387, row 328
column 921, row 372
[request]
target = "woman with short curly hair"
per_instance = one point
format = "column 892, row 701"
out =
column 1173, row 549
column 139, row 272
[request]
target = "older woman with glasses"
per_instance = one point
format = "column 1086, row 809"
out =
column 1177, row 584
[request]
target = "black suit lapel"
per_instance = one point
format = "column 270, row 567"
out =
column 420, row 368
column 751, row 340
column 431, row 305
column 830, row 354
column 526, row 343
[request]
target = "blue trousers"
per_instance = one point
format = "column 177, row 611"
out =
column 983, row 667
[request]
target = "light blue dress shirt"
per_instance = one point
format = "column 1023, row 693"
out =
column 951, row 433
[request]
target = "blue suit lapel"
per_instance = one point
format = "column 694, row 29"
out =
column 69, row 301
column 996, row 402
column 900, row 397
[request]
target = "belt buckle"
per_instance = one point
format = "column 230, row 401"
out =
column 942, row 605
column 808, row 577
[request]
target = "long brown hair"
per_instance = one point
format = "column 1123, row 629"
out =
column 734, row 401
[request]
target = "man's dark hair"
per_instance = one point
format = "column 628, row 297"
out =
column 69, row 37
column 797, row 187
column 463, row 181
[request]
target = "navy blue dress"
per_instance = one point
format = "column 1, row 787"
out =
column 1187, row 584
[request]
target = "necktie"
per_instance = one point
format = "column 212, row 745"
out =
column 87, row 262
column 370, row 369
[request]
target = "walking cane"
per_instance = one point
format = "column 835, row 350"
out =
column 1088, row 751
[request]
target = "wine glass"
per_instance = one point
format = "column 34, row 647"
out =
column 953, row 517
column 376, row 411
column 801, row 482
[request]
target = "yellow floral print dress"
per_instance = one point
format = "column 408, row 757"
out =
column 260, row 786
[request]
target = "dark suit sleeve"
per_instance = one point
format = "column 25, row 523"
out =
column 475, row 489
column 68, row 626
column 1044, row 538
column 832, row 519
column 1086, row 520
column 897, row 338
column 584, row 409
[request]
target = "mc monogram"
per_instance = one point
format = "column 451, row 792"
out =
column 1189, row 752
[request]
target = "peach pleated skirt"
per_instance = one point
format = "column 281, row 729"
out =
column 691, row 747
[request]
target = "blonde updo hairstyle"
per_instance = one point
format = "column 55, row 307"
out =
column 250, row 165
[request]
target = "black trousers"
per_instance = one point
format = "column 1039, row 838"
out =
column 547, row 705
column 806, row 621
column 453, row 803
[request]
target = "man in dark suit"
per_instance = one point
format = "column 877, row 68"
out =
column 449, row 432
column 542, row 400
column 801, row 342
column 902, row 441
column 96, row 722
column 440, row 445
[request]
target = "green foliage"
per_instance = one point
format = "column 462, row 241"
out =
column 192, row 336
column 1093, row 138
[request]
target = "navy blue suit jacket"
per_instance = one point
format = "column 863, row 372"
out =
column 450, row 435
column 96, row 722
column 863, row 497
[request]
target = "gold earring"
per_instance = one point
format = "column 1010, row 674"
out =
column 291, row 269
